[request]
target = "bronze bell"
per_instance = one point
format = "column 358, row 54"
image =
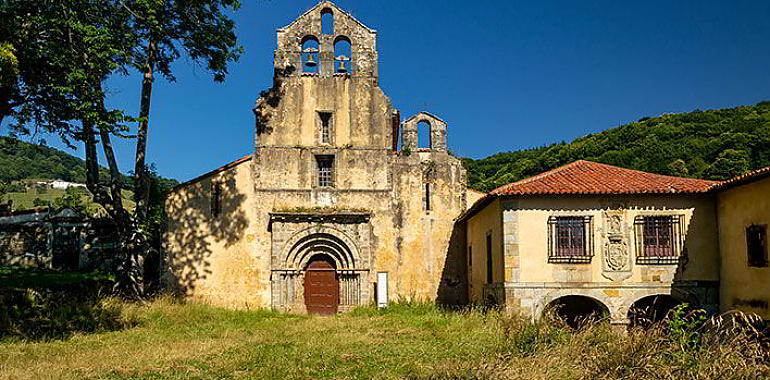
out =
column 310, row 61
column 310, row 51
column 341, row 68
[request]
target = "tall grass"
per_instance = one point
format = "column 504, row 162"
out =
column 684, row 346
column 413, row 340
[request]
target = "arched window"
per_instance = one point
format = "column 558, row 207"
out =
column 309, row 54
column 342, row 55
column 423, row 135
column 327, row 21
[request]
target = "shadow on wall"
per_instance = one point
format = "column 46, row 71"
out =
column 204, row 217
column 453, row 288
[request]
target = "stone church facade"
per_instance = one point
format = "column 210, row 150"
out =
column 336, row 190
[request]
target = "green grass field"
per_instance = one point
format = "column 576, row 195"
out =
column 169, row 340
column 26, row 200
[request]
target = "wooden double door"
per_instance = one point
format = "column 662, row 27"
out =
column 322, row 286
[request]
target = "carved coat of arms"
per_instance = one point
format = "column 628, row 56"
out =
column 617, row 259
column 616, row 256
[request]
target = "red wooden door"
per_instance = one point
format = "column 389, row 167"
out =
column 322, row 290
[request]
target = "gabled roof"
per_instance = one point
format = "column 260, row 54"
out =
column 215, row 171
column 425, row 113
column 754, row 175
column 586, row 177
column 592, row 178
column 335, row 8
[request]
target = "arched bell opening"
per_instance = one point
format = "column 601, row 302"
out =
column 343, row 55
column 577, row 311
column 650, row 310
column 309, row 48
column 424, row 135
column 424, row 131
column 327, row 21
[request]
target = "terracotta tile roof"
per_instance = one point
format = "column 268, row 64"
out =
column 586, row 177
column 749, row 177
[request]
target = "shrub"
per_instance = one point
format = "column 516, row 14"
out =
column 57, row 312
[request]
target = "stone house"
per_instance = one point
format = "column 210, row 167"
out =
column 588, row 237
column 330, row 199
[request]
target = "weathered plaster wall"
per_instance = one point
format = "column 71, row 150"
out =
column 217, row 259
column 486, row 222
column 530, row 234
column 742, row 287
column 361, row 112
column 472, row 196
column 422, row 237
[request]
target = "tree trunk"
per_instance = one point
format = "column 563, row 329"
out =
column 116, row 182
column 6, row 104
column 129, row 269
column 141, row 182
column 130, row 243
column 92, row 163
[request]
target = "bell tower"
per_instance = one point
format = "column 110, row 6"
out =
column 327, row 41
column 325, row 89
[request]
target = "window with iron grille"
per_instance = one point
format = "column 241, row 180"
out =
column 216, row 198
column 570, row 239
column 325, row 126
column 325, row 167
column 658, row 239
column 756, row 245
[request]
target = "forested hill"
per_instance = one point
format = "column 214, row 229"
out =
column 23, row 160
column 715, row 144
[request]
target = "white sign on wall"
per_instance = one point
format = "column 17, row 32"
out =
column 382, row 289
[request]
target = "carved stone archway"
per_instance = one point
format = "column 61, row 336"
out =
column 340, row 247
column 292, row 257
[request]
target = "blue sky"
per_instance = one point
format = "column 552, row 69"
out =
column 505, row 75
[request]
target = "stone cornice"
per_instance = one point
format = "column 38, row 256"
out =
column 321, row 216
